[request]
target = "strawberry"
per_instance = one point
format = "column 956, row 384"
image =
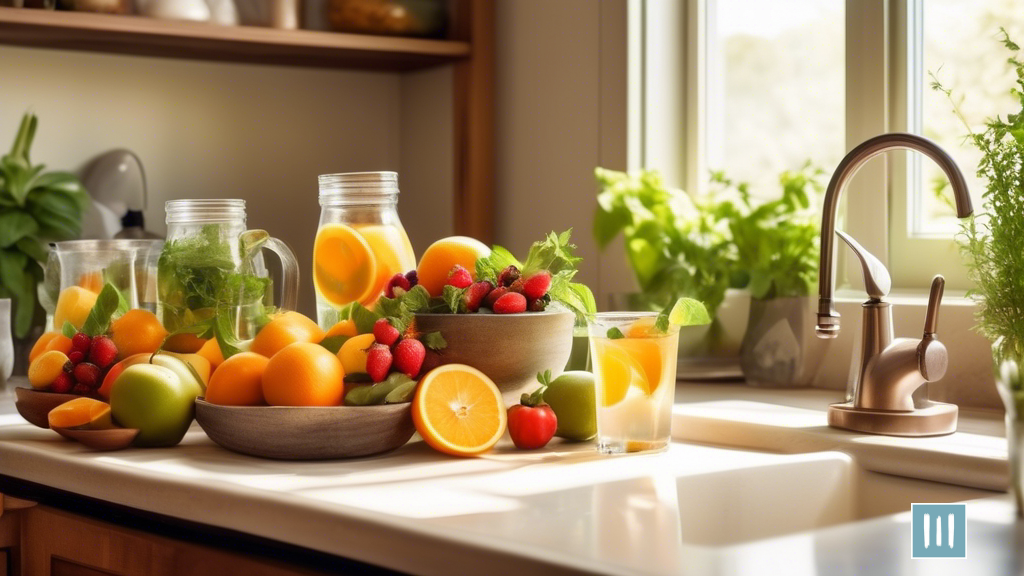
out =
column 102, row 352
column 88, row 374
column 507, row 276
column 494, row 295
column 81, row 342
column 384, row 332
column 81, row 390
column 76, row 356
column 409, row 356
column 537, row 285
column 475, row 295
column 511, row 303
column 378, row 362
column 63, row 383
column 517, row 286
column 459, row 277
column 397, row 286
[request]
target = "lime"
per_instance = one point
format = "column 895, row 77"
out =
column 572, row 397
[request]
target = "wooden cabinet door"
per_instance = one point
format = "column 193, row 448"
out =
column 57, row 543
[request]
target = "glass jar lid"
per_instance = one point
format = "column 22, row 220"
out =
column 193, row 210
column 358, row 187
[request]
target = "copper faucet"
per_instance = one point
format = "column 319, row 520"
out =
column 889, row 370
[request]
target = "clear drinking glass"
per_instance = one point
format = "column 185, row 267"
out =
column 77, row 265
column 635, row 373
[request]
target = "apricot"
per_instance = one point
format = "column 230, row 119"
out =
column 81, row 412
column 41, row 344
column 353, row 353
column 45, row 369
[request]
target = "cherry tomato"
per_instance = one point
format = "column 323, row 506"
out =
column 531, row 427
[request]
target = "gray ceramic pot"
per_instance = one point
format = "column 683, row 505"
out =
column 1011, row 391
column 780, row 348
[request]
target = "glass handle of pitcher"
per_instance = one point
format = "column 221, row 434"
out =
column 289, row 273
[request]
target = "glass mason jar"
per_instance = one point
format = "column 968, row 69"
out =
column 360, row 243
column 211, row 266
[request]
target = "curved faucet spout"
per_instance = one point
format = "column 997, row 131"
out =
column 828, row 318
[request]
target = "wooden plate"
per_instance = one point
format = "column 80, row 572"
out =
column 105, row 440
column 35, row 405
column 307, row 433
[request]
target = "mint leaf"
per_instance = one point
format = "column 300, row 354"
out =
column 488, row 267
column 689, row 312
column 553, row 254
column 108, row 303
column 363, row 318
column 334, row 343
column 68, row 329
column 417, row 299
column 615, row 334
column 434, row 340
column 389, row 307
column 452, row 298
column 224, row 332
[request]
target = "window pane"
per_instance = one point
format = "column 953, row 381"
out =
column 776, row 87
column 961, row 46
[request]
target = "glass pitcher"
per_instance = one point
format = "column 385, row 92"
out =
column 212, row 266
column 360, row 244
column 77, row 270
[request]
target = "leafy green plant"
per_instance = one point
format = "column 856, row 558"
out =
column 698, row 248
column 992, row 242
column 36, row 207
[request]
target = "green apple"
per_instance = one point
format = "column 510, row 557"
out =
column 179, row 367
column 155, row 400
column 572, row 397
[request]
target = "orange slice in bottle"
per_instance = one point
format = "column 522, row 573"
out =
column 618, row 370
column 344, row 267
column 648, row 354
column 458, row 410
column 393, row 252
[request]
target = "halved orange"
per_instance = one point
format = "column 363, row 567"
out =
column 391, row 248
column 458, row 410
column 344, row 267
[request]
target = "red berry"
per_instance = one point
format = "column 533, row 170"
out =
column 511, row 303
column 384, row 332
column 494, row 295
column 537, row 285
column 531, row 427
column 538, row 305
column 88, row 374
column 517, row 286
column 81, row 390
column 475, row 295
column 76, row 356
column 63, row 383
column 103, row 352
column 409, row 356
column 378, row 362
column 397, row 286
column 459, row 277
column 412, row 277
column 507, row 276
column 81, row 342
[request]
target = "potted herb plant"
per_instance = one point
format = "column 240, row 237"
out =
column 35, row 207
column 776, row 248
column 992, row 243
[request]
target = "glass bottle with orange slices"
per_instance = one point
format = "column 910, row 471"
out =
column 360, row 243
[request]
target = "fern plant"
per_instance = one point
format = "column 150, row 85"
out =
column 35, row 207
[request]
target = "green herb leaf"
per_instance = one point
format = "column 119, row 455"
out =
column 402, row 393
column 224, row 332
column 452, row 298
column 68, row 330
column 377, row 393
column 614, row 333
column 109, row 302
column 488, row 267
column 334, row 343
column 416, row 300
column 364, row 318
column 689, row 312
column 434, row 340
column 554, row 254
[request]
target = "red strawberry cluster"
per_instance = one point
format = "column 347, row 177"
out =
column 88, row 362
column 512, row 295
column 391, row 352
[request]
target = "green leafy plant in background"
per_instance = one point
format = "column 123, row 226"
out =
column 992, row 242
column 700, row 247
column 36, row 207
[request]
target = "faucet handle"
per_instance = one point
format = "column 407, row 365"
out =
column 932, row 357
column 877, row 281
column 931, row 320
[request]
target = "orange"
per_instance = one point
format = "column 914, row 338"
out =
column 60, row 343
column 648, row 354
column 211, row 351
column 344, row 267
column 303, row 374
column 184, row 343
column 617, row 371
column 458, row 410
column 238, row 381
column 439, row 259
column 343, row 328
column 137, row 332
column 73, row 305
column 40, row 346
column 284, row 329
column 391, row 248
column 45, row 369
column 81, row 412
column 353, row 353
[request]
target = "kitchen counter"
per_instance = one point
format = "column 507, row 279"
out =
column 693, row 509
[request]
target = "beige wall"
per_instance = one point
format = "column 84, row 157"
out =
column 260, row 133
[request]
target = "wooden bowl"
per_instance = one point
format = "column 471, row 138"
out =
column 509, row 348
column 104, row 440
column 35, row 405
column 307, row 432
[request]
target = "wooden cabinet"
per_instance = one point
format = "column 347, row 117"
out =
column 53, row 542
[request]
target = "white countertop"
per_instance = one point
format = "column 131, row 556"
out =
column 562, row 510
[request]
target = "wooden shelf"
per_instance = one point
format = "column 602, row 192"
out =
column 172, row 39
